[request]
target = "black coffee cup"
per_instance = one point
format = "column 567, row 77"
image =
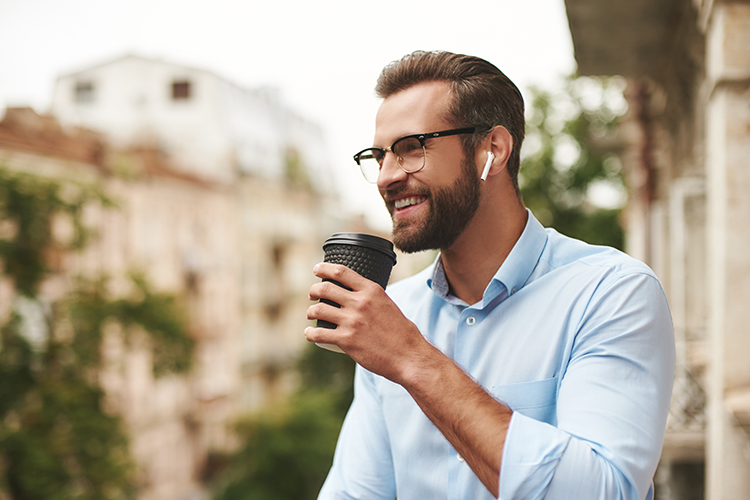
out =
column 370, row 256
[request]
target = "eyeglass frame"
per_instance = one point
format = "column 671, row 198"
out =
column 422, row 138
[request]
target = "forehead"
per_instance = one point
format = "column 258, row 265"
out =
column 417, row 109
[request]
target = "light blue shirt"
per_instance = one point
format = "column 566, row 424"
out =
column 576, row 339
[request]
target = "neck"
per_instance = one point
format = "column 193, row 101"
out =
column 472, row 261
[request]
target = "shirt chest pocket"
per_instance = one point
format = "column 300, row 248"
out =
column 536, row 399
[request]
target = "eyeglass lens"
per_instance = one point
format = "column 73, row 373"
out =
column 409, row 153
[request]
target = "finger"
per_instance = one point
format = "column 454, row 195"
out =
column 325, row 312
column 326, row 336
column 321, row 336
column 341, row 274
column 327, row 290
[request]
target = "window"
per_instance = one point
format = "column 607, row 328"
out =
column 181, row 90
column 84, row 92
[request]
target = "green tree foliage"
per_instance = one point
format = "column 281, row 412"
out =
column 56, row 439
column 570, row 178
column 28, row 207
column 288, row 449
column 90, row 308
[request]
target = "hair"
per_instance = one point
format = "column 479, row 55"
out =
column 481, row 95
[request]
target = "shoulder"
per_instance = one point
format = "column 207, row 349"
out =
column 563, row 253
column 607, row 293
column 592, row 274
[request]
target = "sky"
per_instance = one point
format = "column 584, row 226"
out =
column 324, row 56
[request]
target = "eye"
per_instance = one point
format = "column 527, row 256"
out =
column 377, row 155
column 372, row 154
column 407, row 146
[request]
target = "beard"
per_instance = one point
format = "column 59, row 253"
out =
column 451, row 209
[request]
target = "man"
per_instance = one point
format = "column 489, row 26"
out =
column 522, row 364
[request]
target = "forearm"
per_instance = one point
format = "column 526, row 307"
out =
column 472, row 421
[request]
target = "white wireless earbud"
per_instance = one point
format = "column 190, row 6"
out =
column 487, row 165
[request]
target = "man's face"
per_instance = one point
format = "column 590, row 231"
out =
column 429, row 208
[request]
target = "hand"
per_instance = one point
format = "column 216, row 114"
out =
column 376, row 334
column 371, row 328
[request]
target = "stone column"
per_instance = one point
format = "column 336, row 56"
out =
column 727, row 28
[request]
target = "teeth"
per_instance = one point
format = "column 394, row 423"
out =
column 405, row 202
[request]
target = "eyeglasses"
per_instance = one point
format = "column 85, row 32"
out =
column 410, row 152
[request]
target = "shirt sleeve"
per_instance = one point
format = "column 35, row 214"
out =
column 612, row 404
column 363, row 465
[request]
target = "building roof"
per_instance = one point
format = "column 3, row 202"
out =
column 24, row 130
column 623, row 38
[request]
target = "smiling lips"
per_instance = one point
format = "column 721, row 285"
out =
column 407, row 202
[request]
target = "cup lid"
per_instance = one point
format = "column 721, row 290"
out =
column 362, row 240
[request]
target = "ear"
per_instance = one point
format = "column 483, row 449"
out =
column 500, row 143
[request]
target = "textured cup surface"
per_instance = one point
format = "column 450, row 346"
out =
column 370, row 256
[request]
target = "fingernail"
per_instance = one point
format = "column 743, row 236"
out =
column 315, row 269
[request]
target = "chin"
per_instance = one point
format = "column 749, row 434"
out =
column 404, row 239
column 410, row 240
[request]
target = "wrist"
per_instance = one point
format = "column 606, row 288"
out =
column 424, row 369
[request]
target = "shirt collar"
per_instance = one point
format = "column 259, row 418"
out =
column 513, row 273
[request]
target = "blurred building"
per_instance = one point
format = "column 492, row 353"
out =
column 164, row 220
column 685, row 147
column 270, row 158
column 223, row 199
column 204, row 123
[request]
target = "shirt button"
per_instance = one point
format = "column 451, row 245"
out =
column 471, row 320
column 513, row 291
column 459, row 457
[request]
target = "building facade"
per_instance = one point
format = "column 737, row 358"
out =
column 163, row 220
column 222, row 200
column 271, row 159
column 685, row 145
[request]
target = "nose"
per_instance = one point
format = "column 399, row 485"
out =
column 391, row 172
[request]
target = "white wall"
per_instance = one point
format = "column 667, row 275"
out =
column 219, row 131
